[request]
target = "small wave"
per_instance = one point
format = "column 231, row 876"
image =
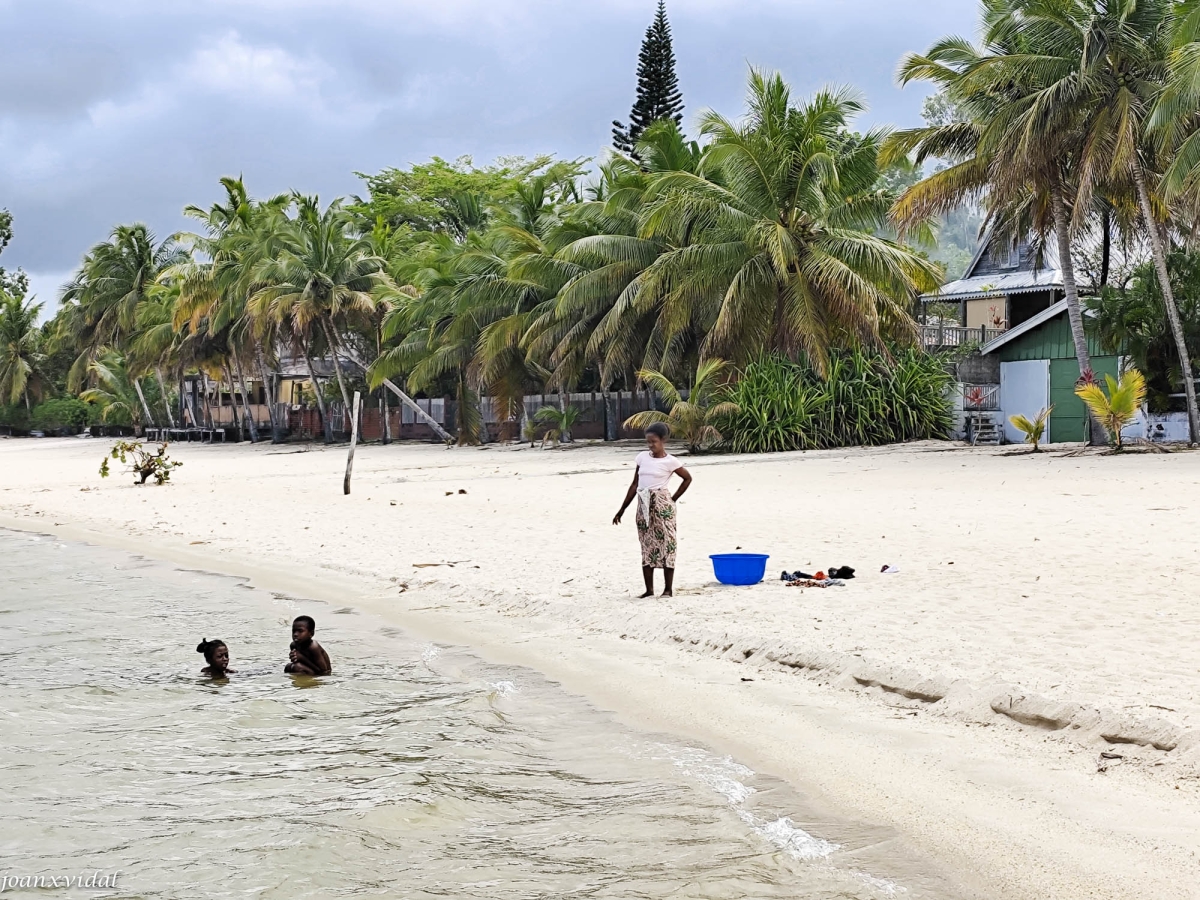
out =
column 790, row 838
column 725, row 776
column 430, row 652
column 889, row 888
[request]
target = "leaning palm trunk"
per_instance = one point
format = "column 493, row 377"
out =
column 1164, row 278
column 269, row 394
column 241, row 377
column 337, row 368
column 137, row 386
column 237, row 412
column 325, row 424
column 208, row 417
column 1070, row 288
column 418, row 412
column 162, row 388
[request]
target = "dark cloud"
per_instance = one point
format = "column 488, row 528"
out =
column 122, row 112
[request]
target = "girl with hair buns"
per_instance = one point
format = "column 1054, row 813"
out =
column 656, row 507
column 216, row 654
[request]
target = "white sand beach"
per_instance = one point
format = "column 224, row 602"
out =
column 1045, row 611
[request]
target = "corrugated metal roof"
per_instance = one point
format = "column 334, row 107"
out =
column 297, row 367
column 999, row 285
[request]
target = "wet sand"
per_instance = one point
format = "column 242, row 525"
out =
column 1044, row 613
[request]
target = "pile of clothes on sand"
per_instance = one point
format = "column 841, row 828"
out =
column 837, row 576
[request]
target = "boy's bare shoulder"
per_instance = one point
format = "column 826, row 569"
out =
column 323, row 656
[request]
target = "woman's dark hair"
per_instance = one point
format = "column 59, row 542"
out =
column 208, row 648
column 659, row 429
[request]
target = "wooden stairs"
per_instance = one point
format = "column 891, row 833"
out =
column 984, row 430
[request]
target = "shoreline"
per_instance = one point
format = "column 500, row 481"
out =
column 1039, row 824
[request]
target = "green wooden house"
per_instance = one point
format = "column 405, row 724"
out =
column 1038, row 369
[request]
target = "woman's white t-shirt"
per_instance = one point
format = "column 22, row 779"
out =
column 655, row 472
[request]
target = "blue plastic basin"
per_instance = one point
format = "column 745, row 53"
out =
column 739, row 568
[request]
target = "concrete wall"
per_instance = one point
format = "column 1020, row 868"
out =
column 977, row 369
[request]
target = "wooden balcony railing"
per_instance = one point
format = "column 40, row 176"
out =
column 936, row 337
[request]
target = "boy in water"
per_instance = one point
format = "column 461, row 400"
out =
column 307, row 656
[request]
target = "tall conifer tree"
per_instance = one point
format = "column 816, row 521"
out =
column 658, row 95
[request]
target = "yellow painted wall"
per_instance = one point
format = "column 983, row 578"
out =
column 979, row 312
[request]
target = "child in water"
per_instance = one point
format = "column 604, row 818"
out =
column 216, row 654
column 307, row 656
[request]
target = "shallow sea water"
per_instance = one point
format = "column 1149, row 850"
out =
column 415, row 771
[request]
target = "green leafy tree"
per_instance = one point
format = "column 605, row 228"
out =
column 214, row 286
column 1137, row 87
column 1061, row 98
column 658, row 95
column 443, row 197
column 1131, row 321
column 15, row 284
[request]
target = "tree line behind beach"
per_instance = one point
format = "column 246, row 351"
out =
column 782, row 242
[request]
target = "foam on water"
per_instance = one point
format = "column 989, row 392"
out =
column 727, row 778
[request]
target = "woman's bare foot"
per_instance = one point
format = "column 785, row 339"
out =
column 646, row 595
column 668, row 594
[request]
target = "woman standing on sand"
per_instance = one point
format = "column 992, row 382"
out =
column 656, row 508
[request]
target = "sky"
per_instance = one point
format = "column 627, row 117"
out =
column 127, row 110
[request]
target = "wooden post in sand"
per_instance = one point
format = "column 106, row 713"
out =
column 353, row 441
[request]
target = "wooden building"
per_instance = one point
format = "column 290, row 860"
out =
column 1007, row 283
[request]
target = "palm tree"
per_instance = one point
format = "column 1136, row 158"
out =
column 322, row 280
column 240, row 234
column 114, row 389
column 433, row 333
column 102, row 299
column 1137, row 85
column 1021, row 92
column 1034, row 428
column 776, row 239
column 598, row 316
column 560, row 421
column 1119, row 405
column 20, row 350
column 693, row 420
